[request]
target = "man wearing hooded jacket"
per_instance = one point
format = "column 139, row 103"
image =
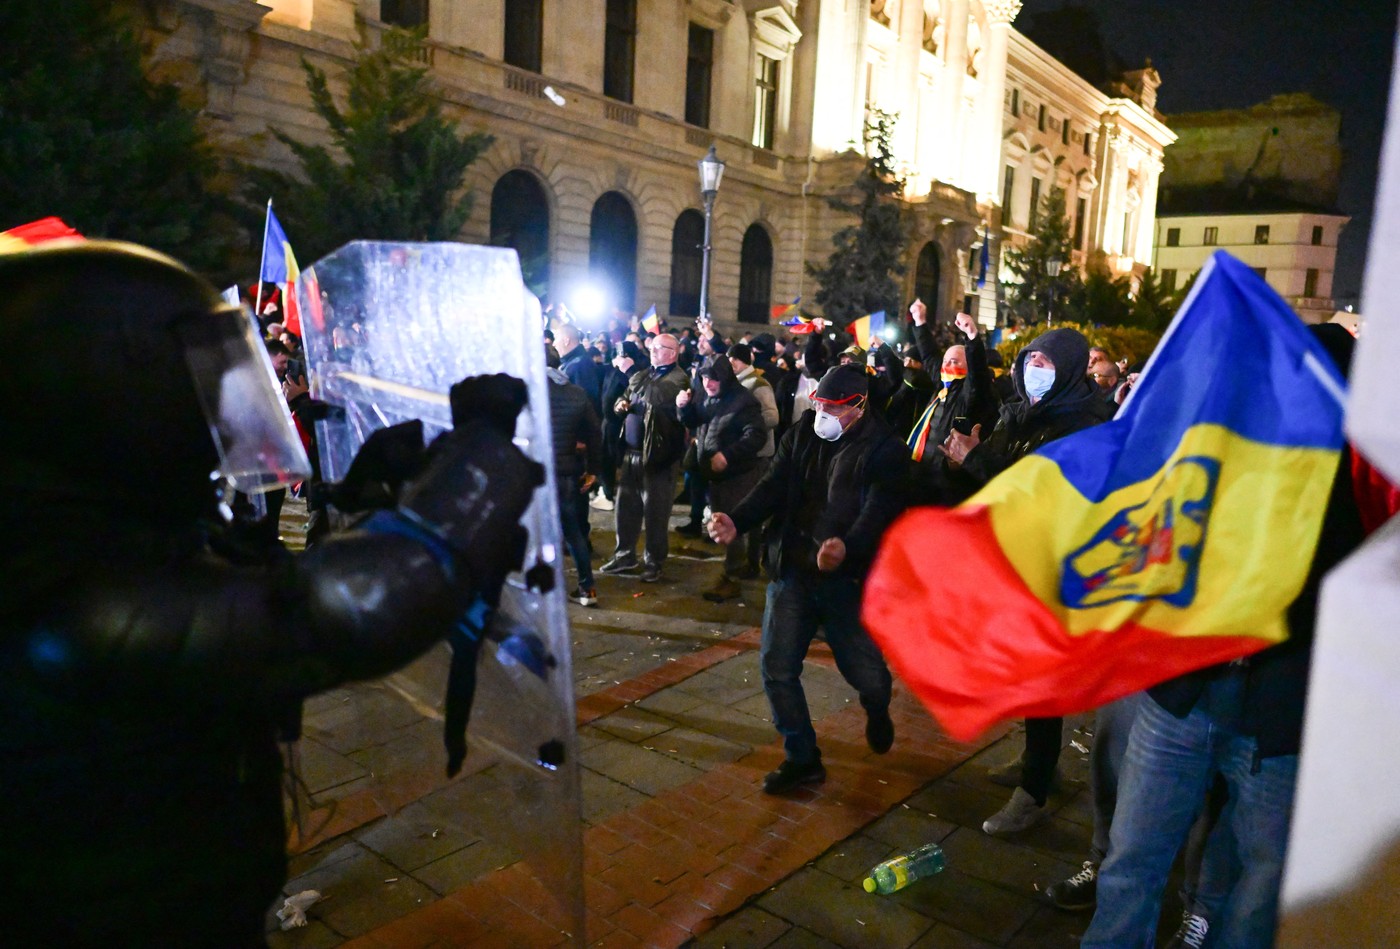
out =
column 1054, row 399
column 835, row 484
column 729, row 434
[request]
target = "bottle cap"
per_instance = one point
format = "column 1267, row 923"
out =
column 870, row 885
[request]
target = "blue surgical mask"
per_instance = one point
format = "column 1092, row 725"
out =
column 1038, row 380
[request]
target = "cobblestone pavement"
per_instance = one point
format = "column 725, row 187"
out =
column 680, row 846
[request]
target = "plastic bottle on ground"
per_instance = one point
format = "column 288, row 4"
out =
column 898, row 872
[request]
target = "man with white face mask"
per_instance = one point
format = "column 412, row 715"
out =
column 836, row 482
column 1056, row 399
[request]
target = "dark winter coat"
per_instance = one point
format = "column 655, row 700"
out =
column 615, row 383
column 730, row 423
column 650, row 424
column 968, row 402
column 852, row 488
column 1071, row 405
column 583, row 372
column 573, row 422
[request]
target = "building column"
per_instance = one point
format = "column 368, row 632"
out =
column 1000, row 14
column 1107, row 235
column 1147, row 216
column 951, row 85
column 906, row 72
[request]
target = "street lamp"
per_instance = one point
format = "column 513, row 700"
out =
column 711, row 171
column 1052, row 270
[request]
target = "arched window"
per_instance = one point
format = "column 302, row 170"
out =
column 926, row 273
column 687, row 260
column 755, row 276
column 612, row 249
column 520, row 219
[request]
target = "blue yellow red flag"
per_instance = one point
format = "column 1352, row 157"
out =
column 650, row 322
column 783, row 311
column 985, row 257
column 41, row 231
column 1169, row 539
column 867, row 329
column 279, row 266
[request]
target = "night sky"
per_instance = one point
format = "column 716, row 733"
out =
column 1226, row 54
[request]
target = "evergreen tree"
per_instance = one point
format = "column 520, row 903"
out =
column 1152, row 306
column 395, row 167
column 87, row 136
column 1034, row 296
column 859, row 276
column 1103, row 300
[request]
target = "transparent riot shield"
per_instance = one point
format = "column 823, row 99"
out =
column 388, row 328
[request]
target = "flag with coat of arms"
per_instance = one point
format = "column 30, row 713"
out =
column 1171, row 538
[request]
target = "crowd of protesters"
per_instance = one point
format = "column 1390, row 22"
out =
column 794, row 453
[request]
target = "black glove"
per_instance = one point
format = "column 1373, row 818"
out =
column 476, row 483
column 388, row 458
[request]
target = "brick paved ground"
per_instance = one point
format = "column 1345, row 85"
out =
column 680, row 845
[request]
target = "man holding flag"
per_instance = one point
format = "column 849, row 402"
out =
column 1244, row 720
column 1169, row 540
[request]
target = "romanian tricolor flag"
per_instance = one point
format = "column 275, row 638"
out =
column 784, row 311
column 1169, row 539
column 41, row 231
column 650, row 322
column 279, row 266
column 868, row 329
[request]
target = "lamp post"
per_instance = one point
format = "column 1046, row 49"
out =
column 1052, row 270
column 711, row 171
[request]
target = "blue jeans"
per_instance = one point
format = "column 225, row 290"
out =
column 575, row 531
column 1112, row 725
column 1167, row 769
column 798, row 604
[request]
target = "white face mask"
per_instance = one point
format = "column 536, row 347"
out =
column 1038, row 380
column 826, row 426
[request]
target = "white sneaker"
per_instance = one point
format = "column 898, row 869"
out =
column 1020, row 813
column 601, row 503
column 1191, row 934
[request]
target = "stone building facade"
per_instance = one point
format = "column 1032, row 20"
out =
column 1262, row 184
column 601, row 108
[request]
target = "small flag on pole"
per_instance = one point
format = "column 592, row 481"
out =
column 784, row 311
column 650, row 322
column 985, row 258
column 279, row 266
column 868, row 329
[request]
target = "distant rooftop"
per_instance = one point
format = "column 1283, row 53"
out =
column 1234, row 199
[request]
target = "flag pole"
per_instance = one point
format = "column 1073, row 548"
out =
column 262, row 260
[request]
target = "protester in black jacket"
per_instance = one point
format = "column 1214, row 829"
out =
column 615, row 380
column 729, row 434
column 835, row 484
column 574, row 423
column 1055, row 399
column 653, row 442
column 965, row 398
